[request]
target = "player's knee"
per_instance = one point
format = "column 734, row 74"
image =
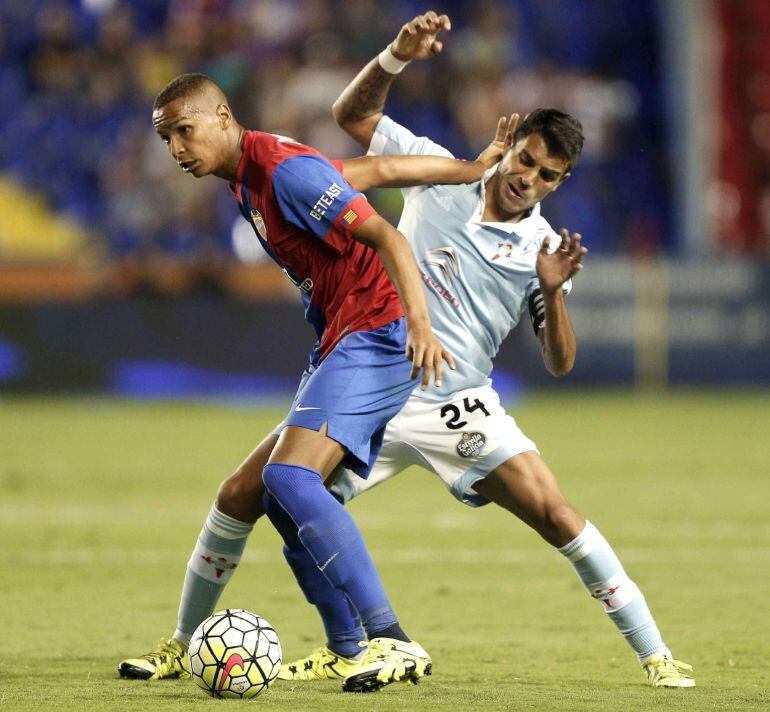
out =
column 561, row 522
column 240, row 495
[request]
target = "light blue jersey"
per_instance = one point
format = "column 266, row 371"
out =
column 478, row 275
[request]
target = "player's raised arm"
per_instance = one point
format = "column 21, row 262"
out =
column 407, row 171
column 548, row 308
column 360, row 106
column 422, row 346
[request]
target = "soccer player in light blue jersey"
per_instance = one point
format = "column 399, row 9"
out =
column 488, row 257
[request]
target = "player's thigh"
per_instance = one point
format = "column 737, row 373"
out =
column 304, row 447
column 394, row 457
column 463, row 439
column 240, row 495
column 352, row 394
column 526, row 486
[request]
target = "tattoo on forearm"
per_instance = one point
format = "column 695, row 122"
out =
column 367, row 93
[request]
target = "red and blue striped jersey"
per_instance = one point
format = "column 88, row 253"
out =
column 304, row 214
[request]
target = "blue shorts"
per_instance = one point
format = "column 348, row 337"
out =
column 356, row 390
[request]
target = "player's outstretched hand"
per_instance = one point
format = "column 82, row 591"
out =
column 554, row 269
column 427, row 353
column 503, row 140
column 417, row 39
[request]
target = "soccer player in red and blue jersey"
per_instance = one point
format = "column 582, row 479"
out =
column 363, row 295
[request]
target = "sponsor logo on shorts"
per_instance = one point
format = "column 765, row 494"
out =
column 471, row 444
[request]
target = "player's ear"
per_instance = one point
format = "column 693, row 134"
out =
column 224, row 115
column 562, row 179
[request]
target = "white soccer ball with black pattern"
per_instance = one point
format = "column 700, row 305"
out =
column 234, row 653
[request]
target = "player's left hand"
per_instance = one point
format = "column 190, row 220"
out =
column 418, row 38
column 554, row 269
column 426, row 352
column 503, row 140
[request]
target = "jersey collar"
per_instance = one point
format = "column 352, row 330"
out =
column 246, row 147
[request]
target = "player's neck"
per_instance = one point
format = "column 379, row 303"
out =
column 492, row 211
column 228, row 169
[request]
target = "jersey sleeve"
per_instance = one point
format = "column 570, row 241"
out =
column 313, row 196
column 393, row 139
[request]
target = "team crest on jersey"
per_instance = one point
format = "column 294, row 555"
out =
column 471, row 444
column 504, row 250
column 259, row 223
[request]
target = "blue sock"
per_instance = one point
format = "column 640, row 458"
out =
column 343, row 629
column 600, row 571
column 332, row 539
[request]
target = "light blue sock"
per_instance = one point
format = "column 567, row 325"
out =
column 331, row 537
column 602, row 574
column 212, row 564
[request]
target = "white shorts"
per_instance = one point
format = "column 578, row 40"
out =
column 461, row 440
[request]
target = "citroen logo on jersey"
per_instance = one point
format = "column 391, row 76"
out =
column 445, row 258
column 259, row 223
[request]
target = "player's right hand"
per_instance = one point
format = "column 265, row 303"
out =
column 417, row 39
column 503, row 140
column 426, row 353
column 555, row 268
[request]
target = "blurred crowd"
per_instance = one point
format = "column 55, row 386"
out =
column 78, row 77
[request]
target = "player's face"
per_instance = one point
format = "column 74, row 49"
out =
column 194, row 136
column 527, row 174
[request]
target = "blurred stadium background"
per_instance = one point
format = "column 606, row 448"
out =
column 119, row 274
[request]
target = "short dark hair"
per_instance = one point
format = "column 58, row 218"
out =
column 562, row 133
column 183, row 86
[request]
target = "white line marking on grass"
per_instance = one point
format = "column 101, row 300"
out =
column 185, row 513
column 420, row 556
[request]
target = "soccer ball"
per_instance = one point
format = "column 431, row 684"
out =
column 235, row 654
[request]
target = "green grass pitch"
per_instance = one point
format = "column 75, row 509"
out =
column 101, row 501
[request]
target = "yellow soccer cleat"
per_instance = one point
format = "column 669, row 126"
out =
column 389, row 660
column 663, row 671
column 169, row 660
column 321, row 664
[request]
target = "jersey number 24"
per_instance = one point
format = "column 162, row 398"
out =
column 453, row 411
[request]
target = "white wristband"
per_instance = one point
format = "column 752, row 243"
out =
column 391, row 64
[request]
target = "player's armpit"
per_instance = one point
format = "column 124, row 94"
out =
column 407, row 171
column 362, row 130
